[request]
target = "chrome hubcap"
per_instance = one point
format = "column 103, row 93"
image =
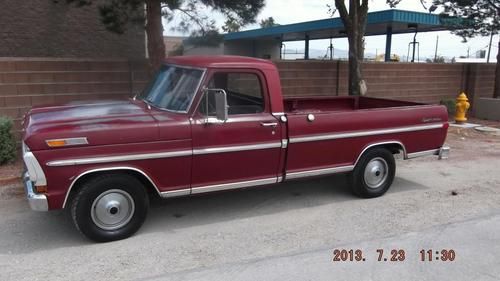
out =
column 112, row 209
column 376, row 172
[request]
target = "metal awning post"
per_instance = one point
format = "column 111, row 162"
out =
column 388, row 42
column 306, row 48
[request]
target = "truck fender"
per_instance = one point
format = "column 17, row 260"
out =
column 98, row 170
column 384, row 144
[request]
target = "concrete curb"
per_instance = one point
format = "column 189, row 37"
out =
column 9, row 180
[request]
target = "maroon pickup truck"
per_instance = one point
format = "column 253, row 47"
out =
column 208, row 124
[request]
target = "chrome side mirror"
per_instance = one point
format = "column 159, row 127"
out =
column 221, row 112
column 221, row 105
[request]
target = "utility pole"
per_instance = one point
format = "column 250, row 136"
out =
column 331, row 49
column 489, row 47
column 436, row 51
column 468, row 52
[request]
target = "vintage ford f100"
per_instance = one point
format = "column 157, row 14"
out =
column 208, row 124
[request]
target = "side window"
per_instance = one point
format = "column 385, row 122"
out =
column 244, row 93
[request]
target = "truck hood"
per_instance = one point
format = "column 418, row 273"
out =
column 102, row 123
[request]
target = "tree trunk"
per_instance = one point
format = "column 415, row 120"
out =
column 356, row 55
column 355, row 24
column 154, row 33
column 355, row 75
column 496, row 91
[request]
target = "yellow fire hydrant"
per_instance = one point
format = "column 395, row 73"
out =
column 462, row 105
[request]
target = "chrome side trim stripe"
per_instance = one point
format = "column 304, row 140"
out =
column 226, row 186
column 284, row 143
column 170, row 154
column 210, row 150
column 218, row 187
column 176, row 193
column 110, row 159
column 319, row 172
column 423, row 153
column 365, row 133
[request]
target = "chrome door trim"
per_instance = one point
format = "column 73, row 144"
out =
column 218, row 187
column 318, row 172
column 365, row 133
column 119, row 158
column 176, row 193
column 107, row 169
column 234, row 185
column 270, row 124
column 170, row 154
column 223, row 149
column 284, row 143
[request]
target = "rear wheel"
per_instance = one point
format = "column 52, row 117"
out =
column 110, row 207
column 374, row 173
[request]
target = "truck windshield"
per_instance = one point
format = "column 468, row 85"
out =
column 173, row 88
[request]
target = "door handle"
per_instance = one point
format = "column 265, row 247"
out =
column 270, row 124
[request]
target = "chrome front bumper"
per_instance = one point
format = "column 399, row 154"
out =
column 38, row 202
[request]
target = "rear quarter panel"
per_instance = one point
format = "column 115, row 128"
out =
column 345, row 149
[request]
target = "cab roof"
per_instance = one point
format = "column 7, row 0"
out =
column 221, row 62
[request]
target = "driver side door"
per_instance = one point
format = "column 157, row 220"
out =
column 244, row 150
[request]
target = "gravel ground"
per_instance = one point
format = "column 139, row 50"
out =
column 285, row 232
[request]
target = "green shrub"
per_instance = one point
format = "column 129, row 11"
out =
column 450, row 105
column 7, row 142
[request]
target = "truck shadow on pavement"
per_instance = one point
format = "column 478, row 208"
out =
column 258, row 201
column 27, row 231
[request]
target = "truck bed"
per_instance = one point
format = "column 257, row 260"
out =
column 318, row 104
column 341, row 128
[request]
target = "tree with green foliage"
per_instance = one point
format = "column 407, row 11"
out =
column 7, row 143
column 269, row 22
column 438, row 59
column 353, row 16
column 231, row 25
column 475, row 17
column 116, row 15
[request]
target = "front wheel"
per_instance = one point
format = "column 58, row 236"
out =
column 110, row 207
column 374, row 173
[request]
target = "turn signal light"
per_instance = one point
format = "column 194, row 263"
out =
column 41, row 189
column 56, row 143
column 66, row 142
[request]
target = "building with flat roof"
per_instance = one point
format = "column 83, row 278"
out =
column 267, row 42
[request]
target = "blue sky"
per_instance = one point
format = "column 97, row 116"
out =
column 292, row 11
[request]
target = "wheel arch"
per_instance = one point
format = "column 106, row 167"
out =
column 393, row 146
column 137, row 173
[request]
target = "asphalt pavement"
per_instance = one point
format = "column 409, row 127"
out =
column 284, row 232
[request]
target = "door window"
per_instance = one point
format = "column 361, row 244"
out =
column 244, row 93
